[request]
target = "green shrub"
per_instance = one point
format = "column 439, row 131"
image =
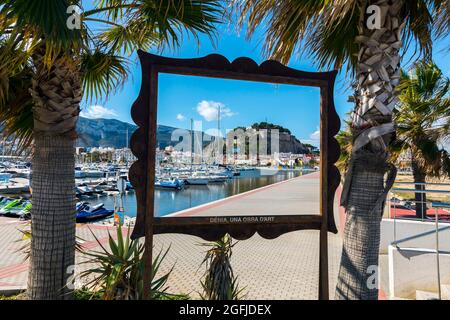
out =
column 219, row 281
column 118, row 272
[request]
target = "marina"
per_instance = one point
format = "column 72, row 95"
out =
column 224, row 151
column 177, row 188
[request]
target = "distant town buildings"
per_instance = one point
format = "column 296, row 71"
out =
column 102, row 154
column 288, row 159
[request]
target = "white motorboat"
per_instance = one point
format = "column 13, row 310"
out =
column 267, row 171
column 169, row 184
column 15, row 185
column 216, row 178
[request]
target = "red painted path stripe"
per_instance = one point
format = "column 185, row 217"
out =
column 13, row 269
column 17, row 268
column 8, row 284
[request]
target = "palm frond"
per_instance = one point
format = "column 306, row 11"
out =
column 441, row 20
column 16, row 117
column 113, row 9
column 345, row 140
column 102, row 73
column 333, row 44
column 423, row 117
column 146, row 23
column 327, row 29
column 44, row 20
column 127, row 37
column 170, row 18
column 289, row 23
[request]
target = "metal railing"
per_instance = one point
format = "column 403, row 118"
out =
column 423, row 191
column 438, row 205
column 433, row 204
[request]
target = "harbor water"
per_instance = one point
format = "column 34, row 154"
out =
column 170, row 201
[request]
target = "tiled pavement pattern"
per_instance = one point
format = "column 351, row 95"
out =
column 12, row 266
column 283, row 268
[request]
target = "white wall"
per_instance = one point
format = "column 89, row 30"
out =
column 415, row 269
column 414, row 234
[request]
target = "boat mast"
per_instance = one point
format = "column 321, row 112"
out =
column 3, row 147
column 192, row 143
column 124, row 155
column 218, row 133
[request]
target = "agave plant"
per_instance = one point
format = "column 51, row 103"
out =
column 220, row 282
column 118, row 271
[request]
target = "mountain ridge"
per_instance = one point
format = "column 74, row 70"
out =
column 102, row 132
column 113, row 133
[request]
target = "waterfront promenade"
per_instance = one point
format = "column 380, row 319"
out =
column 283, row 268
column 296, row 196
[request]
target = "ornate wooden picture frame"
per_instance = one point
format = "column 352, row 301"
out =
column 143, row 146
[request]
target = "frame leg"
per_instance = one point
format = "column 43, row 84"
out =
column 148, row 263
column 323, row 265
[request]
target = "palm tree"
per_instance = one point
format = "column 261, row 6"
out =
column 344, row 138
column 366, row 37
column 423, row 125
column 46, row 69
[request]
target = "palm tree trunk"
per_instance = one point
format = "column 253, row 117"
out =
column 361, row 233
column 364, row 192
column 420, row 198
column 56, row 94
column 53, row 218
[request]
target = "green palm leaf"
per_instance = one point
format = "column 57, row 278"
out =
column 423, row 118
column 35, row 32
column 327, row 29
column 103, row 72
column 145, row 23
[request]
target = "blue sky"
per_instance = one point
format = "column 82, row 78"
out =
column 242, row 103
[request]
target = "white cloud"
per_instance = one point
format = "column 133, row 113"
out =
column 314, row 138
column 180, row 117
column 315, row 135
column 210, row 109
column 97, row 111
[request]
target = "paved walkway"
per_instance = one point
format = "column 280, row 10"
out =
column 283, row 268
column 296, row 196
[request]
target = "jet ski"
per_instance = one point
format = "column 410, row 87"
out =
column 86, row 190
column 25, row 213
column 4, row 201
column 85, row 213
column 16, row 207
